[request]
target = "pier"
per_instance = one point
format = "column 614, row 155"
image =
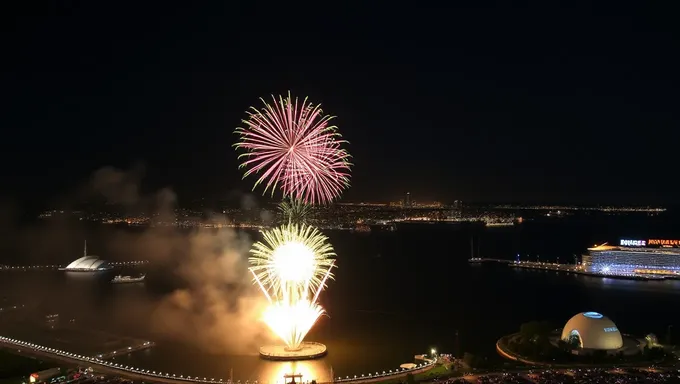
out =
column 122, row 351
column 146, row 375
column 56, row 267
column 485, row 260
column 568, row 268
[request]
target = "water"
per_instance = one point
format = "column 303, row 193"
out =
column 396, row 294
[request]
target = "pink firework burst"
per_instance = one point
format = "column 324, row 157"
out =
column 292, row 145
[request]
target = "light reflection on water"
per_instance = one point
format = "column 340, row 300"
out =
column 273, row 372
column 361, row 341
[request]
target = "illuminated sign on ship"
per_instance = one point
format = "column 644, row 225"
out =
column 674, row 243
column 634, row 243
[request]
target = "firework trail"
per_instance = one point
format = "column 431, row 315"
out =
column 295, row 211
column 291, row 266
column 292, row 145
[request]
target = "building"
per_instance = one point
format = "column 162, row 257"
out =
column 592, row 331
column 651, row 258
column 88, row 263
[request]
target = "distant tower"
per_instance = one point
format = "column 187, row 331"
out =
column 407, row 202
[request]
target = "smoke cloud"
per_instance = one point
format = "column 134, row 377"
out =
column 117, row 186
column 217, row 308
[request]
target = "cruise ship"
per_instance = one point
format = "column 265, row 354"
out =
column 635, row 258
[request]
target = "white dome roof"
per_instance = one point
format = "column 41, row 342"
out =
column 594, row 330
column 88, row 262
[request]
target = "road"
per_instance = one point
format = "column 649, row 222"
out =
column 102, row 366
column 121, row 370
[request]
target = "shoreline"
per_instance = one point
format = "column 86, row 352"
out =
column 505, row 352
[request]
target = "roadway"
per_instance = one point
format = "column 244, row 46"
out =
column 111, row 368
column 98, row 365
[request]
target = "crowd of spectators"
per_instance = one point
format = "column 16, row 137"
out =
column 573, row 376
column 605, row 376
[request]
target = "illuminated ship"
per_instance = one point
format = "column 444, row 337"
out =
column 635, row 258
column 127, row 279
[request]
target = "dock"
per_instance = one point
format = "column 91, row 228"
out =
column 486, row 260
column 123, row 351
column 568, row 268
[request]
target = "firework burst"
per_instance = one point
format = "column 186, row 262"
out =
column 291, row 266
column 293, row 145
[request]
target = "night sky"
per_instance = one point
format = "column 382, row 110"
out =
column 548, row 103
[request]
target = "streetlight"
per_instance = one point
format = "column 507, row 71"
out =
column 433, row 352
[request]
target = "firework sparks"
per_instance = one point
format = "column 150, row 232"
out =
column 294, row 211
column 291, row 266
column 293, row 145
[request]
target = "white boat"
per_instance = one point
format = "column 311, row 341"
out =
column 128, row 279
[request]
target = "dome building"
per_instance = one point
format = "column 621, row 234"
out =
column 592, row 331
column 88, row 263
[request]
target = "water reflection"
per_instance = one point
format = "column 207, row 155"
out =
column 84, row 276
column 274, row 372
column 667, row 286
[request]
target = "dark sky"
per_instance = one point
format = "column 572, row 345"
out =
column 553, row 103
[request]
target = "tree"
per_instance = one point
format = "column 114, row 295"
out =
column 410, row 379
column 469, row 359
column 574, row 342
column 653, row 353
column 599, row 356
column 534, row 329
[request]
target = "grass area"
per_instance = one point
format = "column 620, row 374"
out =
column 13, row 366
column 439, row 370
column 436, row 371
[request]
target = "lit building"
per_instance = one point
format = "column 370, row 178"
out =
column 591, row 331
column 88, row 264
column 651, row 257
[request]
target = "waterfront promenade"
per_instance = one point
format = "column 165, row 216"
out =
column 55, row 267
column 534, row 265
column 134, row 373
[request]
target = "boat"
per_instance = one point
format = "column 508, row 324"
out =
column 652, row 258
column 127, row 279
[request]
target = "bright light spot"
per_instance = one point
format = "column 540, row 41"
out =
column 593, row 315
column 294, row 261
